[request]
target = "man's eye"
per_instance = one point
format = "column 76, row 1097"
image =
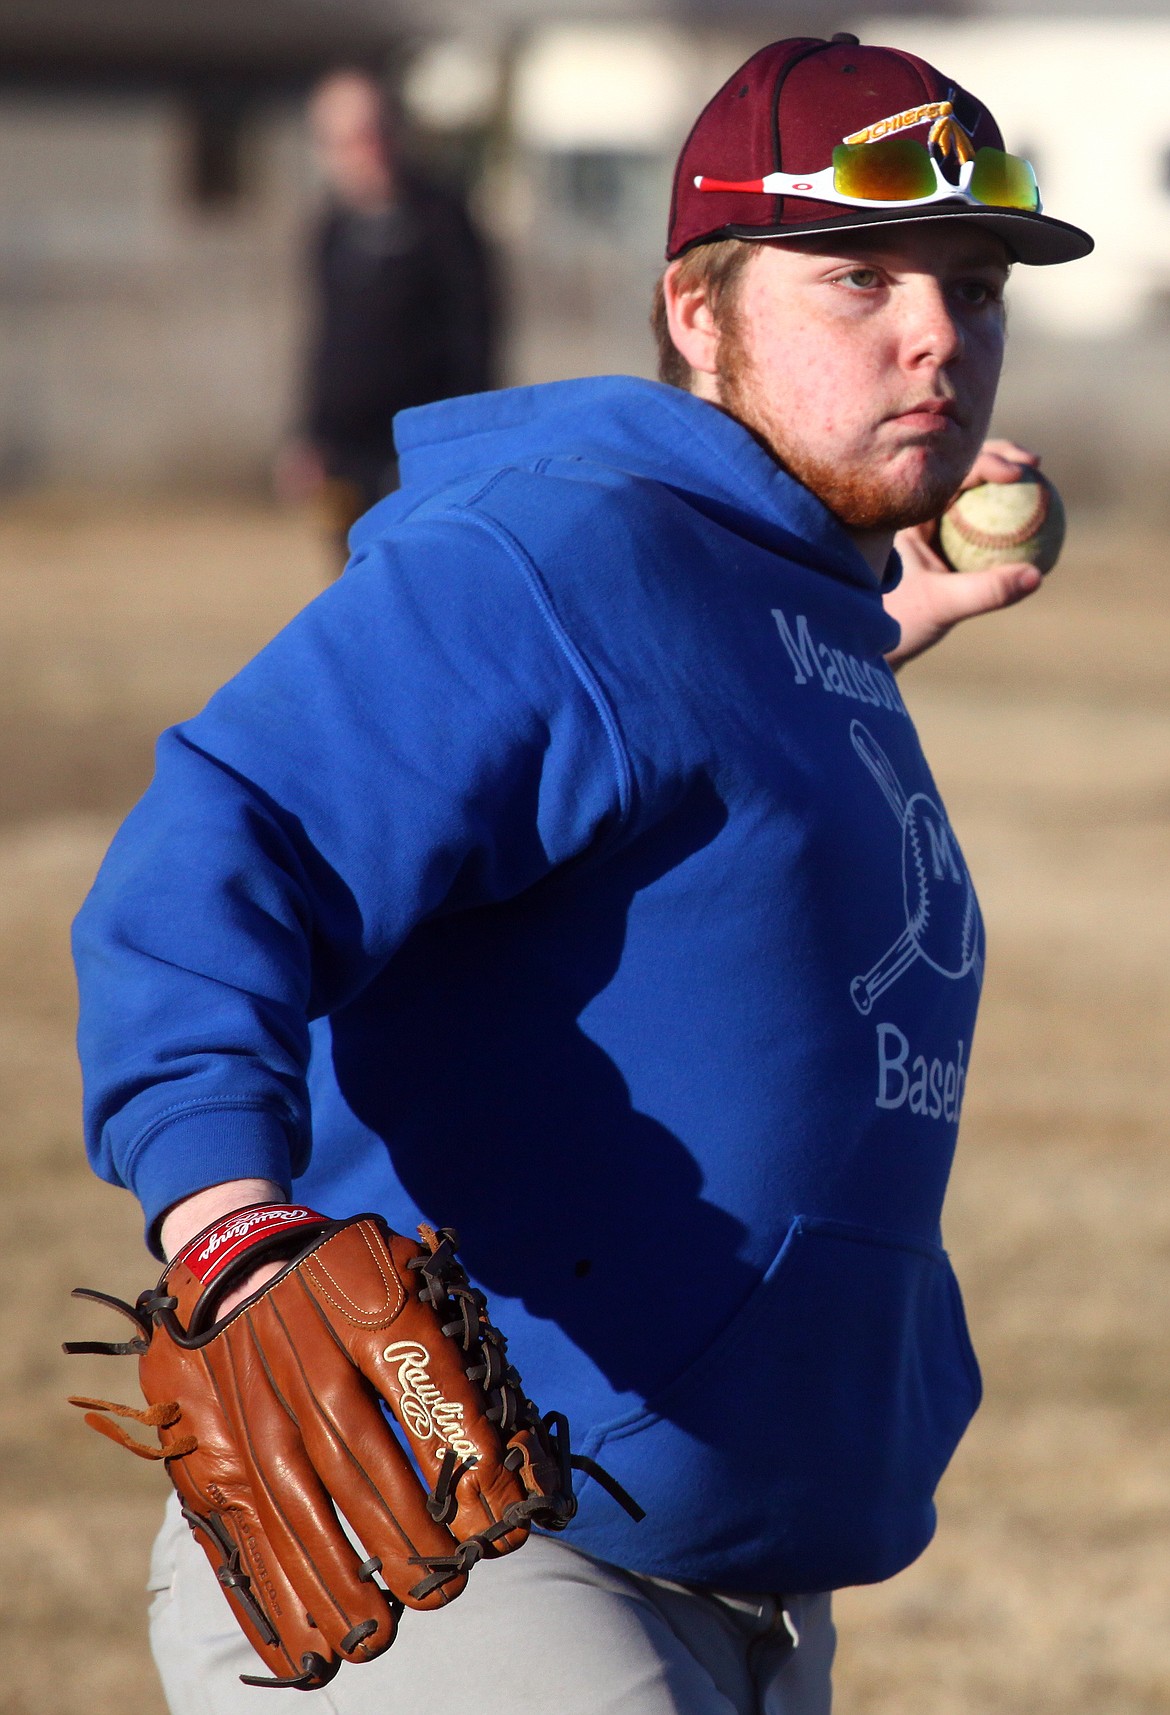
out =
column 978, row 292
column 861, row 279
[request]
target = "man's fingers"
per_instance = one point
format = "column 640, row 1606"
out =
column 994, row 467
column 999, row 461
column 972, row 593
column 928, row 604
column 1012, row 451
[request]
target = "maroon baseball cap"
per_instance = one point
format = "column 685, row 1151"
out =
column 788, row 108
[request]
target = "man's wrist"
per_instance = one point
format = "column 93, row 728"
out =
column 188, row 1217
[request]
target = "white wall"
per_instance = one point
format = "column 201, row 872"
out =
column 141, row 339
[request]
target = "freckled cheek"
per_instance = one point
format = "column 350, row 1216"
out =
column 845, row 393
column 823, row 395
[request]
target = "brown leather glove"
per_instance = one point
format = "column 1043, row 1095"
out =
column 273, row 1417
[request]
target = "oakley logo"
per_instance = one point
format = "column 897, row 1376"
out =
column 424, row 1410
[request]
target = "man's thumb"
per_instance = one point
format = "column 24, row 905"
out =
column 973, row 593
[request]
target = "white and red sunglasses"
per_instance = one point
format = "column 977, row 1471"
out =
column 898, row 172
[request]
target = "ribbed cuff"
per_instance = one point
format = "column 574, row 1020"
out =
column 206, row 1145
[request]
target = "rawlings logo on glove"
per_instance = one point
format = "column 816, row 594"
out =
column 270, row 1423
column 421, row 1403
column 210, row 1252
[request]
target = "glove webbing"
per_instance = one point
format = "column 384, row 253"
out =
column 446, row 1286
column 446, row 1283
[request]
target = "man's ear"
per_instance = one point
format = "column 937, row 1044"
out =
column 691, row 323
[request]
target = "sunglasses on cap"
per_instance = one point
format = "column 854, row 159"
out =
column 897, row 172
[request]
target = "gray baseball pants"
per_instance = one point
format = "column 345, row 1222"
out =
column 545, row 1631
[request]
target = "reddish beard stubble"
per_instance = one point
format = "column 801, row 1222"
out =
column 860, row 498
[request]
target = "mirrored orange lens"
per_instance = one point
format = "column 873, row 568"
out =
column 1003, row 181
column 897, row 169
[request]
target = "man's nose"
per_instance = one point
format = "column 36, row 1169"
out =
column 932, row 333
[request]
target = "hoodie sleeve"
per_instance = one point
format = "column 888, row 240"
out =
column 422, row 739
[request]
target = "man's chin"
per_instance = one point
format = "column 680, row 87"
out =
column 911, row 485
column 914, row 485
column 875, row 501
column 863, row 510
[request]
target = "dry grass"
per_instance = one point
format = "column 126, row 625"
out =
column 1048, row 1588
column 113, row 624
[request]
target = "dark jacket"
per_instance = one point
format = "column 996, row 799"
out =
column 404, row 316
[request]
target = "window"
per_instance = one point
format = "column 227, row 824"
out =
column 607, row 191
column 215, row 165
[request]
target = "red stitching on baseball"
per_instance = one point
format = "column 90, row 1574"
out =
column 1002, row 538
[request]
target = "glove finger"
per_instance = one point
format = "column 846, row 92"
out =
column 423, row 1361
column 267, row 1608
column 353, row 1448
column 294, row 1510
column 395, row 1337
column 221, row 1511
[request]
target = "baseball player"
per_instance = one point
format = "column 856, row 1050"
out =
column 570, row 872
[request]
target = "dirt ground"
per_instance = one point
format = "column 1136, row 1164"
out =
column 1048, row 1587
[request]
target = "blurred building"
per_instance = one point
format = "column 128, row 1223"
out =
column 597, row 113
column 154, row 187
column 152, row 190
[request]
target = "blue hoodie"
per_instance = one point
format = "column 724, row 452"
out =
column 570, row 873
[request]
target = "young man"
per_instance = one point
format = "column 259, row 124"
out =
column 571, row 872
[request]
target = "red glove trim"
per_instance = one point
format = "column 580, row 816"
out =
column 210, row 1252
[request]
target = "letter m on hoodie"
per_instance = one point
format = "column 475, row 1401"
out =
column 801, row 649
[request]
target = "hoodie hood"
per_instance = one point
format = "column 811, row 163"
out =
column 643, row 428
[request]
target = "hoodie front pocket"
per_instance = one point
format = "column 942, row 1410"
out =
column 802, row 1448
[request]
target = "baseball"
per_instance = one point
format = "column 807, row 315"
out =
column 1001, row 521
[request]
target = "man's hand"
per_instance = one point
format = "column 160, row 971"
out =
column 189, row 1217
column 931, row 598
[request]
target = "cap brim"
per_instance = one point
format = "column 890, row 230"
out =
column 1034, row 239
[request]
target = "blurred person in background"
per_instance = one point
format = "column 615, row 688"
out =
column 403, row 309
